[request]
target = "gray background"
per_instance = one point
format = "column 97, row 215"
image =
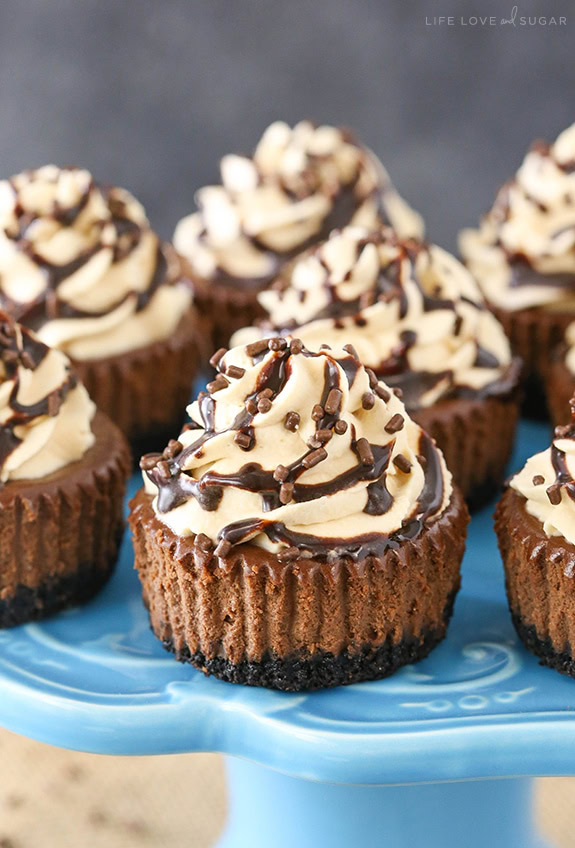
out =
column 150, row 93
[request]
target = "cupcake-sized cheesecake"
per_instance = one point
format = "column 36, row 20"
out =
column 535, row 525
column 63, row 468
column 298, row 185
column 303, row 532
column 523, row 254
column 80, row 265
column 417, row 319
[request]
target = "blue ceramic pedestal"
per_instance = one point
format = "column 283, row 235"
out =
column 271, row 810
column 439, row 755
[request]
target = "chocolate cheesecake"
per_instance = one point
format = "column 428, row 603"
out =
column 535, row 525
column 415, row 317
column 63, row 469
column 523, row 256
column 299, row 183
column 302, row 532
column 81, row 266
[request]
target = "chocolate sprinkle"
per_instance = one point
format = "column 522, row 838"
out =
column 314, row 458
column 218, row 384
column 264, row 405
column 244, row 440
column 217, row 356
column 333, row 402
column 235, row 372
column 286, row 492
column 538, row 479
column 364, row 451
column 368, row 400
column 173, row 449
column 381, row 392
column 291, row 421
column 277, row 344
column 281, row 473
column 149, row 461
column 395, row 423
column 400, row 461
column 317, row 412
column 255, row 348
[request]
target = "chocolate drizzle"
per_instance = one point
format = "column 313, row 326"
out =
column 524, row 274
column 282, row 485
column 128, row 234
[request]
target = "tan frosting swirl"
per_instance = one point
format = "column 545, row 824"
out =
column 547, row 483
column 300, row 183
column 298, row 449
column 45, row 414
column 411, row 310
column 523, row 254
column 81, row 266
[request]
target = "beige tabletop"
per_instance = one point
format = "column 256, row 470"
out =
column 51, row 798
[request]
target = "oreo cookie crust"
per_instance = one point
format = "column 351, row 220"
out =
column 31, row 603
column 561, row 661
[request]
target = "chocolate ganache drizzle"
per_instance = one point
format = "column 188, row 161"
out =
column 303, row 453
column 80, row 265
column 547, row 482
column 45, row 413
column 523, row 254
column 411, row 310
column 298, row 185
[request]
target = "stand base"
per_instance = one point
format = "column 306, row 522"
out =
column 269, row 810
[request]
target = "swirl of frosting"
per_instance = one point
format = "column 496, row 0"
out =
column 411, row 310
column 80, row 265
column 300, row 183
column 45, row 413
column 298, row 452
column 547, row 482
column 523, row 254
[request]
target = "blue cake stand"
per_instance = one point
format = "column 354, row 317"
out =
column 441, row 754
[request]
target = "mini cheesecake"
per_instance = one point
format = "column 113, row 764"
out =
column 523, row 257
column 416, row 318
column 302, row 532
column 81, row 266
column 299, row 183
column 63, row 469
column 535, row 525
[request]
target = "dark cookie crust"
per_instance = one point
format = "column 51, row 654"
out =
column 543, row 648
column 323, row 670
column 52, row 596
